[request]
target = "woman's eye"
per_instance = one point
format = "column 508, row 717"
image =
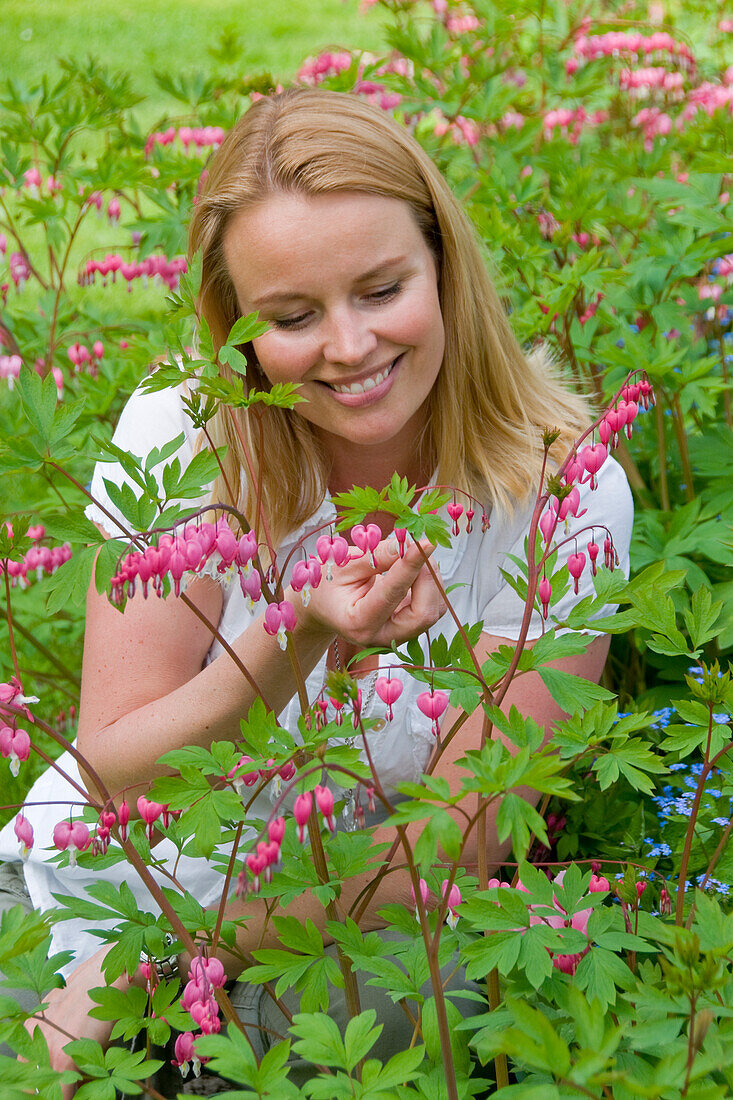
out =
column 289, row 322
column 387, row 294
column 377, row 296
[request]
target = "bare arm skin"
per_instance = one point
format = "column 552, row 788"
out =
column 145, row 692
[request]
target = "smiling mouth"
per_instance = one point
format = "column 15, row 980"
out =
column 367, row 384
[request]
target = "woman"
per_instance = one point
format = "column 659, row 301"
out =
column 326, row 217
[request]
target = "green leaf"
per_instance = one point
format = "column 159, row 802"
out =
column 441, row 829
column 68, row 585
column 517, row 816
column 160, row 454
column 361, row 1035
column 548, row 1050
column 233, row 358
column 199, row 474
column 572, row 693
column 702, row 616
column 632, row 759
column 71, row 527
column 598, row 974
column 39, row 399
column 401, row 1067
column 498, row 951
column 318, row 1040
column 245, row 329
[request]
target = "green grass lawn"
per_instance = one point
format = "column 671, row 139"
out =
column 168, row 34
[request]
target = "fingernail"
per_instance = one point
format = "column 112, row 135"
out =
column 392, row 545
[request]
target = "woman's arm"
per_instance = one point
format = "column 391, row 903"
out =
column 145, row 692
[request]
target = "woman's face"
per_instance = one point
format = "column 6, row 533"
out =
column 350, row 291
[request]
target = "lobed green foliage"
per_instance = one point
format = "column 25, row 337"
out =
column 607, row 230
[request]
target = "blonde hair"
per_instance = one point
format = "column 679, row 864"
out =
column 490, row 403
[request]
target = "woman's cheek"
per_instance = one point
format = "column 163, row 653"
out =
column 283, row 360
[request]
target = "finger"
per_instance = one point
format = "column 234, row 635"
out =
column 387, row 552
column 425, row 607
column 391, row 586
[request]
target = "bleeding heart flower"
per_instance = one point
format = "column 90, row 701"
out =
column 149, row 812
column 366, row 538
column 74, row 837
column 389, row 691
column 123, row 816
column 279, row 618
column 455, row 511
column 246, row 779
column 432, row 704
column 548, row 523
column 454, row 899
column 24, row 832
column 324, row 802
column 569, row 505
column 576, row 565
column 301, row 813
column 332, row 551
column 592, row 458
column 185, row 1053
column 605, row 431
column 424, row 895
column 276, row 830
column 593, row 551
column 544, row 591
column 15, row 745
column 306, row 576
column 251, row 585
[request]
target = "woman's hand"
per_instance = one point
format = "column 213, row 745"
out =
column 376, row 604
column 67, row 1016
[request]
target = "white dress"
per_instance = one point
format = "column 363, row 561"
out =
column 401, row 748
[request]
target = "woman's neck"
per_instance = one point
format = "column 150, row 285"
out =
column 375, row 466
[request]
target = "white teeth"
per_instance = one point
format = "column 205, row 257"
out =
column 367, row 384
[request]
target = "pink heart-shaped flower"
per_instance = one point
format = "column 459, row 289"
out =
column 388, row 689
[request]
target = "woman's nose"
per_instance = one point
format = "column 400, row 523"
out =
column 349, row 339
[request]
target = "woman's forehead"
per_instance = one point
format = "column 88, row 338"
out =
column 292, row 238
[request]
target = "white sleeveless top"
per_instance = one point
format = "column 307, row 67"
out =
column 400, row 749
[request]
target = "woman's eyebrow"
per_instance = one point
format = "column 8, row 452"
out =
column 289, row 295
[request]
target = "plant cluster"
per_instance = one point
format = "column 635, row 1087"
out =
column 588, row 144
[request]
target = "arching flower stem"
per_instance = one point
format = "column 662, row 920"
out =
column 456, row 620
column 9, row 617
column 260, row 514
